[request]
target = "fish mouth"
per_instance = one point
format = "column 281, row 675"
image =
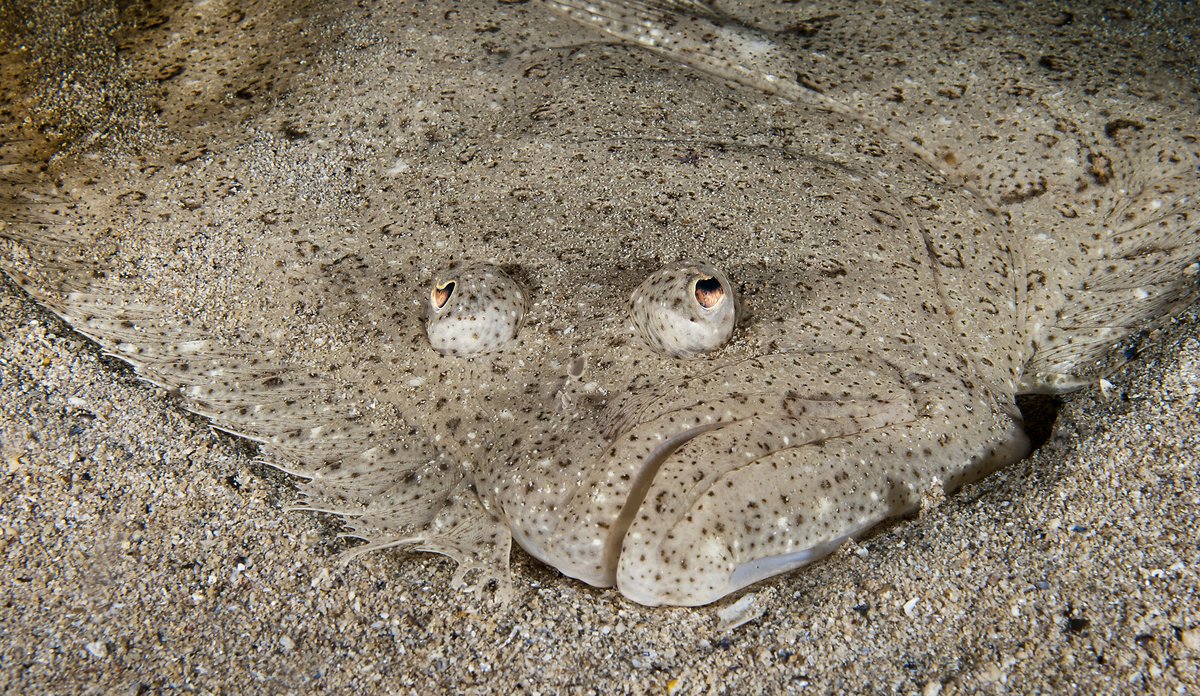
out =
column 595, row 518
column 671, row 447
column 704, row 468
column 637, row 494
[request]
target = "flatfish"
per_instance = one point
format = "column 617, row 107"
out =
column 677, row 310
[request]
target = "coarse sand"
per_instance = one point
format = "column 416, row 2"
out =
column 143, row 552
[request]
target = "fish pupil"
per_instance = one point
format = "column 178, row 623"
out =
column 709, row 292
column 442, row 293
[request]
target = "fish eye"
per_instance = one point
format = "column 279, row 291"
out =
column 684, row 309
column 473, row 309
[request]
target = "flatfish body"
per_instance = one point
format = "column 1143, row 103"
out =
column 669, row 334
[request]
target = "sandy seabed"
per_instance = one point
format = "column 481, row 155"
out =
column 142, row 552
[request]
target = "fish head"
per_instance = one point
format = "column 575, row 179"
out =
column 695, row 351
column 664, row 357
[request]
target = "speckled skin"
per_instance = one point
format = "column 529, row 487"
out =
column 473, row 310
column 684, row 310
column 943, row 224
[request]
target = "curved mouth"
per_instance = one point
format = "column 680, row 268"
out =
column 701, row 454
column 668, row 449
column 641, row 486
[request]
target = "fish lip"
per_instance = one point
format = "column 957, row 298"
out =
column 602, row 571
column 651, row 464
column 741, row 577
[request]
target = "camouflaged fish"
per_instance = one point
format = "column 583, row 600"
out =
column 680, row 297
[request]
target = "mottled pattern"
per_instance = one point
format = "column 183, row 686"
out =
column 473, row 310
column 917, row 213
column 685, row 309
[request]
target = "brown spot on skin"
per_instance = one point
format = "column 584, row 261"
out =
column 1100, row 167
column 1119, row 126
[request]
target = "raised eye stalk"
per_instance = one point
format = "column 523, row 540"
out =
column 685, row 309
column 474, row 309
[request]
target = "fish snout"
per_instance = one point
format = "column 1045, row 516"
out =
column 663, row 509
column 725, row 479
column 757, row 497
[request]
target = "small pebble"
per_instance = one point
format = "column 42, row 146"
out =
column 741, row 612
column 910, row 606
column 1191, row 639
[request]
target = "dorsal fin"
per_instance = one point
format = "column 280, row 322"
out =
column 1142, row 263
